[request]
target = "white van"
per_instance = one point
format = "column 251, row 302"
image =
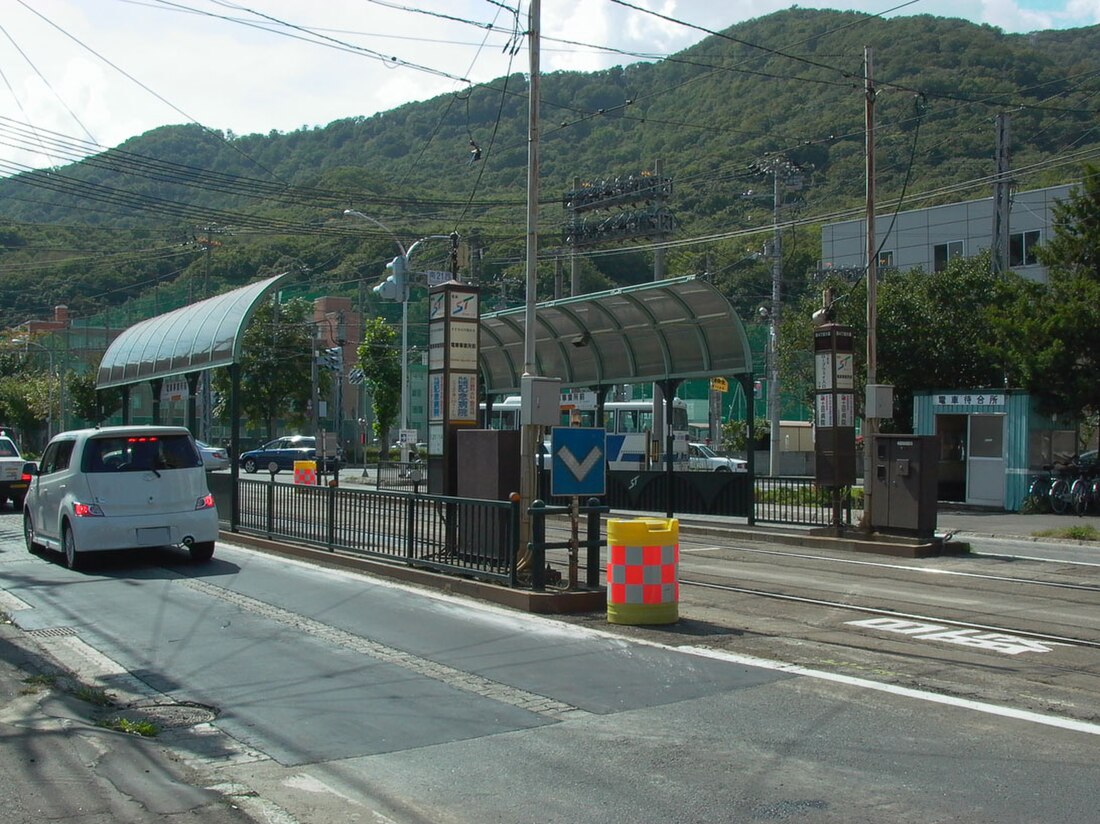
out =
column 120, row 487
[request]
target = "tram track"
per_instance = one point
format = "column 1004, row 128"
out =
column 702, row 561
column 909, row 616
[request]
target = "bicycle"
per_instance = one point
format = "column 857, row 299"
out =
column 1085, row 491
column 1061, row 495
column 1038, row 493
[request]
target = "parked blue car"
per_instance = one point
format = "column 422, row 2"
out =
column 283, row 452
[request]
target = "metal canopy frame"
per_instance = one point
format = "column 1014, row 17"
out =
column 668, row 330
column 199, row 336
column 187, row 341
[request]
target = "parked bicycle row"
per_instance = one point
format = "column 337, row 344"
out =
column 1069, row 487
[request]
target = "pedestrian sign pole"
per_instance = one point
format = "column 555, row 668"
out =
column 578, row 467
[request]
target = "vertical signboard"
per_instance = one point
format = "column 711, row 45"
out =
column 453, row 327
column 834, row 406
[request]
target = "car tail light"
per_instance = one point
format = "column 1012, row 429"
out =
column 205, row 502
column 26, row 477
column 87, row 510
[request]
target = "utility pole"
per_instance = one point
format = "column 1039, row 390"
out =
column 781, row 169
column 1001, row 200
column 774, row 405
column 530, row 433
column 870, row 424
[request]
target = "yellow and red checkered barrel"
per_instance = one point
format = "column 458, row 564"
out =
column 305, row 472
column 643, row 562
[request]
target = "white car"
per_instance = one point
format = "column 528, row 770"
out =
column 120, row 487
column 15, row 473
column 701, row 456
column 213, row 457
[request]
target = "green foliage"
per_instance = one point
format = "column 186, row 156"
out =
column 1052, row 331
column 276, row 367
column 380, row 360
column 735, row 435
column 934, row 331
column 88, row 404
column 28, row 395
column 281, row 195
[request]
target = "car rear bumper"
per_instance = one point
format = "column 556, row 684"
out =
column 134, row 532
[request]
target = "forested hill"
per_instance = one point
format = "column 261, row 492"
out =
column 103, row 230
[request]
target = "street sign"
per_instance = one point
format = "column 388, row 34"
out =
column 356, row 376
column 719, row 385
column 578, row 461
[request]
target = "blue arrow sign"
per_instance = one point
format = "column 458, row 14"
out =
column 578, row 461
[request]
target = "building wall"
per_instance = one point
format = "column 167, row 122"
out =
column 910, row 240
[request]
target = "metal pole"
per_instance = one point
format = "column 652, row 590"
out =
column 529, row 433
column 405, row 360
column 774, row 408
column 870, row 425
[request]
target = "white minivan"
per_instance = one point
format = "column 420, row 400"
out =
column 120, row 487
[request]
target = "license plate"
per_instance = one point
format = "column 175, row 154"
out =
column 19, row 486
column 153, row 536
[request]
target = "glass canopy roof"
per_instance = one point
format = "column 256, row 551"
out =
column 681, row 328
column 196, row 337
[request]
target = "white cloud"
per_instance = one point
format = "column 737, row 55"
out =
column 1009, row 16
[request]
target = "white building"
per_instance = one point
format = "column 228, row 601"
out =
column 930, row 237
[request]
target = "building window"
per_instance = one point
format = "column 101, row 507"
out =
column 1022, row 247
column 885, row 259
column 942, row 253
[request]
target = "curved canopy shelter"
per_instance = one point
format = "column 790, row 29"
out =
column 186, row 341
column 664, row 332
column 199, row 336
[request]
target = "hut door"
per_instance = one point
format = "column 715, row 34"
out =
column 985, row 471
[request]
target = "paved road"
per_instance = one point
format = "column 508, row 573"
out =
column 343, row 698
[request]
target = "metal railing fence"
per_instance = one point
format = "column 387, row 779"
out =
column 800, row 500
column 458, row 535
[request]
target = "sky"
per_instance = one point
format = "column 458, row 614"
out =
column 102, row 71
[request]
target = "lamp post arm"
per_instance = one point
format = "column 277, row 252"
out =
column 381, row 225
column 429, row 237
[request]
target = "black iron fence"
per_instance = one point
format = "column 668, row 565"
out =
column 457, row 535
column 480, row 537
column 800, row 500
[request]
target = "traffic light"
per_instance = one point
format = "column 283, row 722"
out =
column 332, row 359
column 395, row 287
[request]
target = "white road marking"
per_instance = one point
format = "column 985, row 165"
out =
column 992, row 641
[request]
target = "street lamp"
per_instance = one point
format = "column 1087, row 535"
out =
column 396, row 287
column 27, row 342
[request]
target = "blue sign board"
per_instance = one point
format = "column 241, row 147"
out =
column 578, row 461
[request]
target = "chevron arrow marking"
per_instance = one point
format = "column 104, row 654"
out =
column 580, row 469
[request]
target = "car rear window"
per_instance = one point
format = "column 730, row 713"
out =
column 7, row 449
column 140, row 453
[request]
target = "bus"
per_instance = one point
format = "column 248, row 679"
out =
column 631, row 442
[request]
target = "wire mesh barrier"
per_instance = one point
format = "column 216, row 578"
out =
column 799, row 500
column 458, row 535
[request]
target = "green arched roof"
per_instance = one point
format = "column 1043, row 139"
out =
column 680, row 328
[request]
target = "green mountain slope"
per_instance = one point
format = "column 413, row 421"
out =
column 110, row 227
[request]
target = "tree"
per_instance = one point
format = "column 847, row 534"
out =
column 276, row 367
column 935, row 330
column 735, row 435
column 1055, row 328
column 380, row 360
column 88, row 404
